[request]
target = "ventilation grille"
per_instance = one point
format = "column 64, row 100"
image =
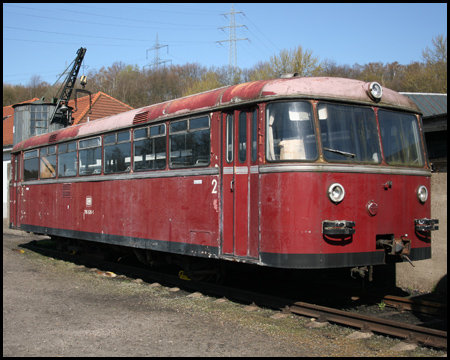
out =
column 52, row 138
column 140, row 118
column 67, row 191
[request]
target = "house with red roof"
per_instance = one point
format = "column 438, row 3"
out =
column 101, row 105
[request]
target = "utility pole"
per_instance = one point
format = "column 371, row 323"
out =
column 232, row 55
column 157, row 61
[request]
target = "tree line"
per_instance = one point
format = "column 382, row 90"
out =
column 140, row 87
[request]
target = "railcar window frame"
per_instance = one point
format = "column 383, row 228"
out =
column 403, row 146
column 116, row 152
column 242, row 137
column 191, row 131
column 279, row 133
column 155, row 139
column 254, row 135
column 93, row 149
column 31, row 158
column 362, row 145
column 67, row 155
column 229, row 138
column 47, row 162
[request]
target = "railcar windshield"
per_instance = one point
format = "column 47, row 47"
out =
column 290, row 131
column 401, row 138
column 349, row 133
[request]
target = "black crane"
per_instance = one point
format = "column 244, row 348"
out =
column 63, row 113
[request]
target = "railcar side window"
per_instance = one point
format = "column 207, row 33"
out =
column 31, row 165
column 190, row 142
column 90, row 156
column 400, row 137
column 150, row 148
column 48, row 162
column 242, row 137
column 117, row 148
column 349, row 133
column 67, row 159
column 230, row 138
column 254, row 130
column 290, row 131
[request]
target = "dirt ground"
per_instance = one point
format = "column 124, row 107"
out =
column 57, row 308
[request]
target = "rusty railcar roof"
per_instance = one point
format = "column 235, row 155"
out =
column 295, row 87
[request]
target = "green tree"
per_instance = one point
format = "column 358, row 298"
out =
column 435, row 59
column 208, row 81
column 295, row 60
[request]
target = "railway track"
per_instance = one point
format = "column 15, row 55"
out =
column 425, row 307
column 410, row 333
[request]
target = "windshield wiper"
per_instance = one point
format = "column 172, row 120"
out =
column 350, row 155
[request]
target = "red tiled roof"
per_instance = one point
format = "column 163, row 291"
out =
column 102, row 105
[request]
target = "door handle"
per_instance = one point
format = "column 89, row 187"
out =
column 232, row 185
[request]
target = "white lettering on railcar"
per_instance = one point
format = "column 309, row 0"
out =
column 214, row 184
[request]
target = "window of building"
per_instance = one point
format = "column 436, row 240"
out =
column 38, row 119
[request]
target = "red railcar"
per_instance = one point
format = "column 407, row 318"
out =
column 290, row 173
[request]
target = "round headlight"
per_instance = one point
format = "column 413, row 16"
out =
column 422, row 194
column 336, row 192
column 375, row 91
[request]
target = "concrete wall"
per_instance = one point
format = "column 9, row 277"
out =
column 429, row 275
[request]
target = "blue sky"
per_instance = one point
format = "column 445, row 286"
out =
column 42, row 39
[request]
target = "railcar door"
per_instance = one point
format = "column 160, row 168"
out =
column 14, row 191
column 240, row 184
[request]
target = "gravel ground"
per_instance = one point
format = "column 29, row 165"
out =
column 57, row 308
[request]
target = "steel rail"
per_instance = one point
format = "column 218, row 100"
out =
column 425, row 307
column 411, row 333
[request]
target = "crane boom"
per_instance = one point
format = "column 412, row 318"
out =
column 62, row 115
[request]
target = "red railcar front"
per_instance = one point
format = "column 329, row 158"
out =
column 344, row 185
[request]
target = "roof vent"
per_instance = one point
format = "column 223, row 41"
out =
column 140, row 118
column 290, row 75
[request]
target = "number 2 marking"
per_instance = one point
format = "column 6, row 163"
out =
column 214, row 183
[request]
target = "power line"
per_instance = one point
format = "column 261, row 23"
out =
column 232, row 55
column 157, row 61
